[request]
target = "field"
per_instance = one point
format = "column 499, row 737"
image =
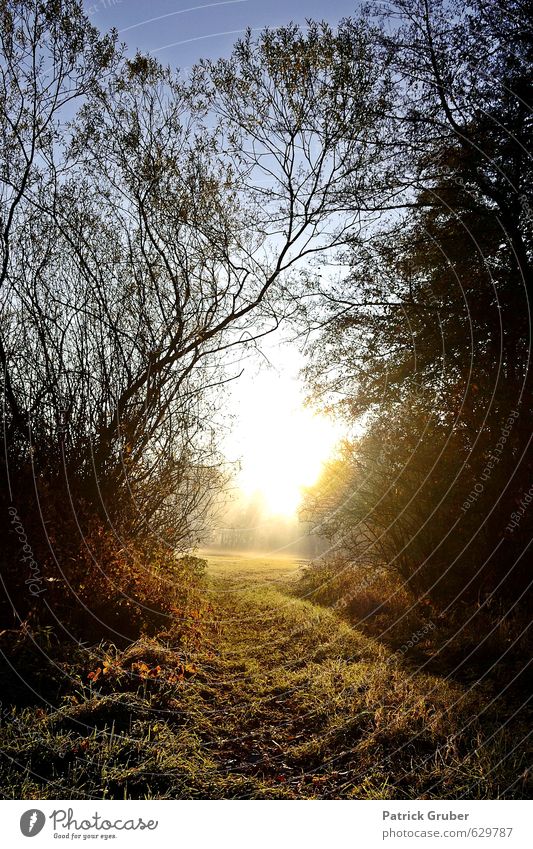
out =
column 260, row 694
column 240, row 569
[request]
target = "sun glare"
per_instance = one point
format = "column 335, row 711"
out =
column 282, row 444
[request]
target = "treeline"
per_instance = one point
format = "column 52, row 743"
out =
column 246, row 524
column 427, row 338
column 151, row 225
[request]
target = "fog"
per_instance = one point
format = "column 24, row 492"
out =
column 246, row 524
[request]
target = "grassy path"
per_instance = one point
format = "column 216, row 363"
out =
column 291, row 675
column 274, row 698
column 306, row 706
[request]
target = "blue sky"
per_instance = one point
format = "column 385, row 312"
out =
column 179, row 32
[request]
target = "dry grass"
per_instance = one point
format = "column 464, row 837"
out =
column 244, row 568
column 262, row 695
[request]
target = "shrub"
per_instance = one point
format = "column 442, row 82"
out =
column 77, row 574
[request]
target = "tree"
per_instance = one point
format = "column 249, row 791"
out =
column 427, row 337
column 159, row 236
column 50, row 59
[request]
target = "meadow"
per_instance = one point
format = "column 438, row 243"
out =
column 258, row 694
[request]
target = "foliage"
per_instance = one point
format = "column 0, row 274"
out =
column 88, row 582
column 142, row 243
column 425, row 340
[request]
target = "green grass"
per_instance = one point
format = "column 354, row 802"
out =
column 264, row 695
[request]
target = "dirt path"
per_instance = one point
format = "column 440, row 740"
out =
column 306, row 706
column 286, row 679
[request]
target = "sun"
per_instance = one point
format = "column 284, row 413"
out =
column 282, row 445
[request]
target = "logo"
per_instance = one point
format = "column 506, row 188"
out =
column 32, row 822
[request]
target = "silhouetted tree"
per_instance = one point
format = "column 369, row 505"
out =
column 152, row 226
column 427, row 338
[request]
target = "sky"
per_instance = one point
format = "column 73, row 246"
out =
column 278, row 444
column 180, row 33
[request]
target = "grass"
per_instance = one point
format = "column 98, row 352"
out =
column 263, row 695
column 242, row 569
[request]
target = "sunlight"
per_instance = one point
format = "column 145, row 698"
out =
column 282, row 444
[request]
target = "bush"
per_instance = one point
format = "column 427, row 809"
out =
column 374, row 599
column 78, row 575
